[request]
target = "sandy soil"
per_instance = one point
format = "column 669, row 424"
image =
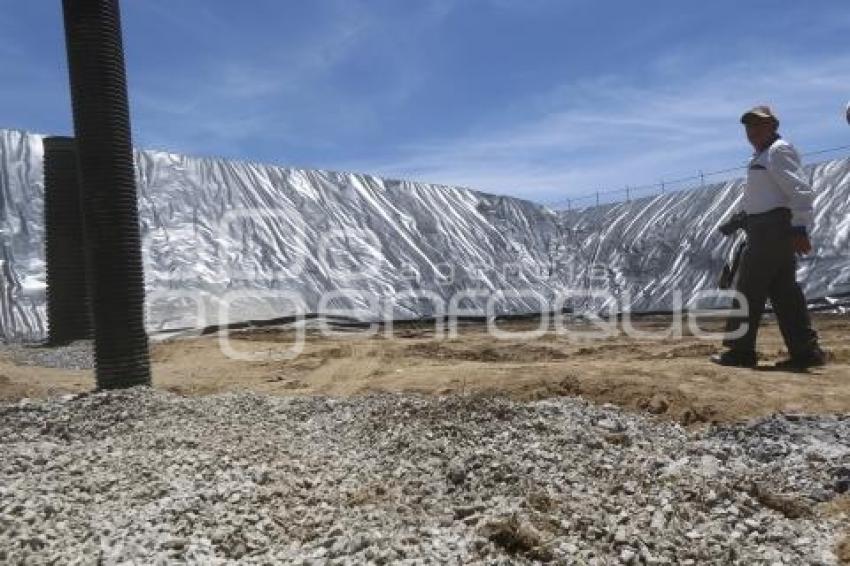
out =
column 669, row 377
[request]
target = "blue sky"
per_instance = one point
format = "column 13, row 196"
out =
column 543, row 99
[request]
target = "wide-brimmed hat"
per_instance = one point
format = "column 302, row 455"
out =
column 758, row 114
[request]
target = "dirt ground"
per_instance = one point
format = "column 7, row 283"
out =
column 670, row 377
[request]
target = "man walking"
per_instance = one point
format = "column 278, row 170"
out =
column 778, row 205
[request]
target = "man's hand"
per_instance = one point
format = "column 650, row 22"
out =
column 733, row 224
column 801, row 244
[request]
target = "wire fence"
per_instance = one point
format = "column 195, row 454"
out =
column 604, row 196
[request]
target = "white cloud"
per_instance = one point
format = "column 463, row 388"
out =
column 608, row 133
column 598, row 132
column 221, row 102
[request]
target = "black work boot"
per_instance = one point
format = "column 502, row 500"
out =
column 735, row 358
column 801, row 362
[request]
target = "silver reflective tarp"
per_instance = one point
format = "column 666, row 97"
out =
column 647, row 250
column 227, row 241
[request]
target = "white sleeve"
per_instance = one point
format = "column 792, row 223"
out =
column 785, row 168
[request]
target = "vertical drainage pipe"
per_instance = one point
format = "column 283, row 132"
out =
column 68, row 307
column 110, row 207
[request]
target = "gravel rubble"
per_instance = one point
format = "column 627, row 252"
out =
column 76, row 355
column 147, row 476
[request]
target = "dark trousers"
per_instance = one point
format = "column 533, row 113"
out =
column 768, row 271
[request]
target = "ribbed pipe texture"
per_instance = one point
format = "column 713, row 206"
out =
column 110, row 209
column 68, row 307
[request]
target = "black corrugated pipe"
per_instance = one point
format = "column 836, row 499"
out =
column 68, row 308
column 110, row 208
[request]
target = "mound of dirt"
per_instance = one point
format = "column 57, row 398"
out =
column 669, row 377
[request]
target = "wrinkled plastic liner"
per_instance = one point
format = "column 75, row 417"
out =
column 263, row 238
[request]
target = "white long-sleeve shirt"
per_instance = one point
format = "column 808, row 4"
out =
column 775, row 178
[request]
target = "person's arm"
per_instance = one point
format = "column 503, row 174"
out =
column 785, row 169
